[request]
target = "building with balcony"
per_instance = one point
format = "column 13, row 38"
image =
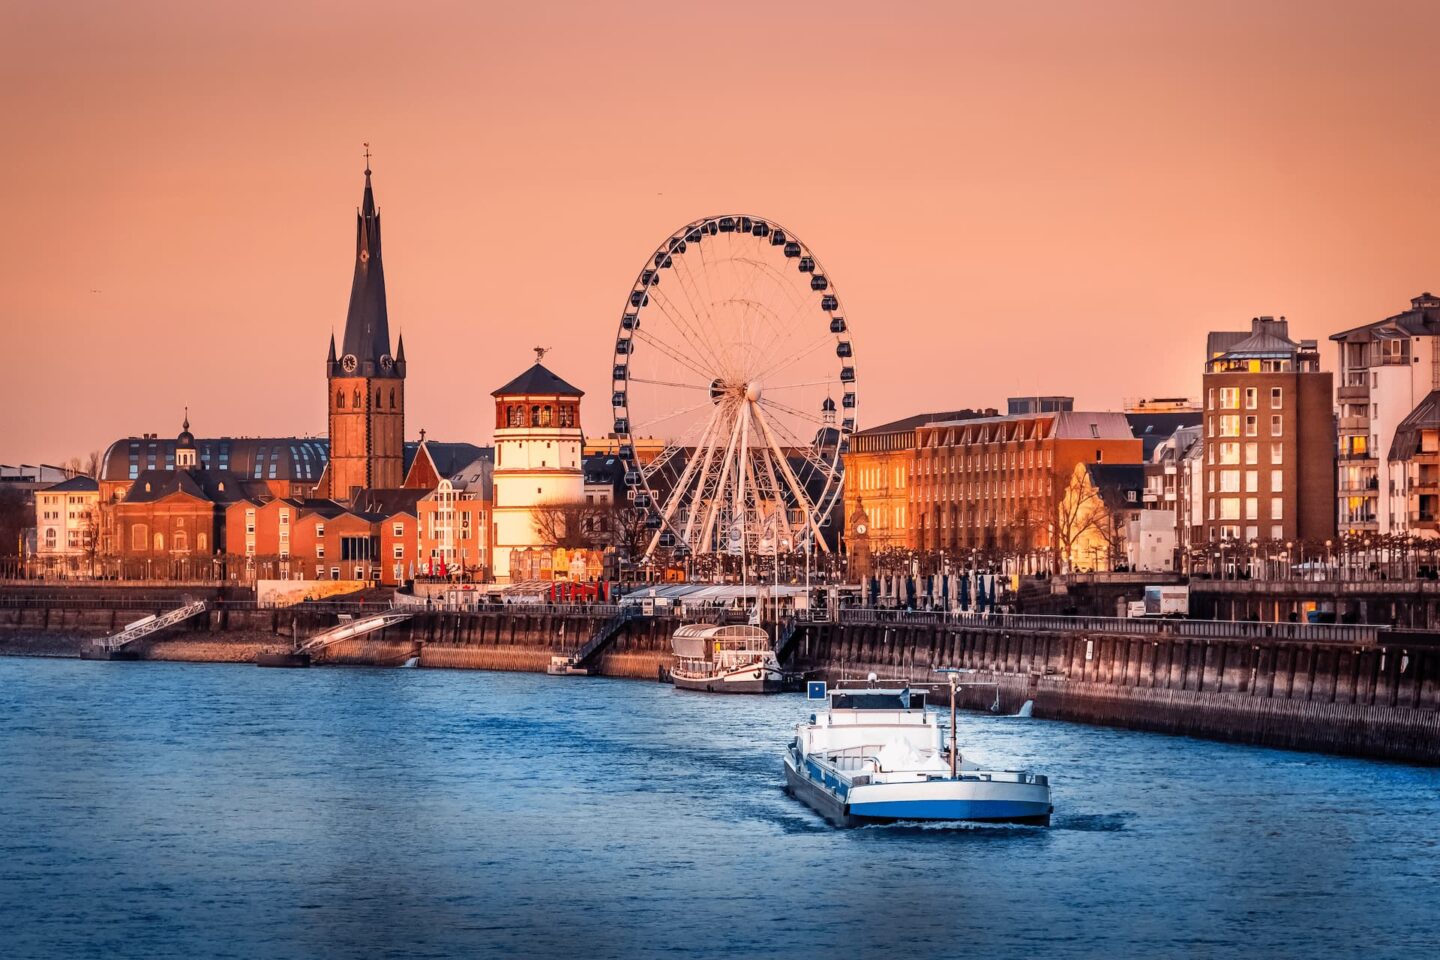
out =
column 1388, row 371
column 1268, row 423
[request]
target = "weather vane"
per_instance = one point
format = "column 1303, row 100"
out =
column 540, row 353
column 367, row 156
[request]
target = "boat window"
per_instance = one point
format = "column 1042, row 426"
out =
column 875, row 701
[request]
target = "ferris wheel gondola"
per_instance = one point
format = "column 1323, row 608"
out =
column 731, row 351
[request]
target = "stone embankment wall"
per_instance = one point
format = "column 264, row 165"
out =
column 498, row 640
column 1370, row 699
column 1380, row 700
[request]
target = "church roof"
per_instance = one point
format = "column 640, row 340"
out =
column 538, row 380
column 258, row 458
column 386, row 503
column 367, row 323
column 216, row 486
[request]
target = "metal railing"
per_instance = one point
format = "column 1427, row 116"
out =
column 1359, row 634
column 152, row 625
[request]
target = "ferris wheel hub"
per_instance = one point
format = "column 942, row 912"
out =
column 753, row 391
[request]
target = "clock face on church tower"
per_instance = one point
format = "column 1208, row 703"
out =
column 349, row 363
column 861, row 529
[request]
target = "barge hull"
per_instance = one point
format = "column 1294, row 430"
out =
column 766, row 684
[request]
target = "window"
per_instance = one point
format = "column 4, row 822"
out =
column 399, row 551
column 1277, row 531
column 377, row 398
column 1252, row 425
column 1277, row 481
column 159, row 543
column 1230, row 425
column 1277, row 453
column 1230, row 508
column 339, row 399
column 1277, row 508
column 1229, row 481
column 1252, row 453
column 357, row 398
column 398, row 530
column 545, row 416
column 1275, row 398
column 201, row 542
column 1229, row 398
column 1252, row 397
column 1276, row 429
column 1252, row 508
column 1252, row 481
column 392, row 398
column 319, row 529
column 139, row 536
column 1229, row 453
column 319, row 551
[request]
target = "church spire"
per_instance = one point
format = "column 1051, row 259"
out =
column 367, row 324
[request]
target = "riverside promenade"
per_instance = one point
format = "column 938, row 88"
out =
column 1361, row 690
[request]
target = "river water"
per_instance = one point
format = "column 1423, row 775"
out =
column 195, row 810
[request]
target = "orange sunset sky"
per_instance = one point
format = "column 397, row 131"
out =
column 1012, row 198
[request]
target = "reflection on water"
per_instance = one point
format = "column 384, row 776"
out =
column 185, row 810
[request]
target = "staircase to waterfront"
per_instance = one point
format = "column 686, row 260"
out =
column 785, row 637
column 144, row 628
column 351, row 629
column 579, row 662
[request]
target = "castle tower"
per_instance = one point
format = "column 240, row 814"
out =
column 538, row 445
column 366, row 383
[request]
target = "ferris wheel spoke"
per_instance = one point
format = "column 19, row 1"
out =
column 801, row 498
column 693, row 296
column 650, row 424
column 785, row 408
column 674, row 383
column 671, row 352
column 828, row 381
column 785, row 363
column 698, row 343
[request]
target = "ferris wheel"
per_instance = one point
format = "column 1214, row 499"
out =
column 734, row 391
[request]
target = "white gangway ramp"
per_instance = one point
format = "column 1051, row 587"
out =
column 149, row 625
column 351, row 629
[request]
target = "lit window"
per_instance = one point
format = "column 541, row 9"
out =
column 1276, row 428
column 1277, row 508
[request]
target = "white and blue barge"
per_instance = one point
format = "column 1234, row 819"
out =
column 875, row 754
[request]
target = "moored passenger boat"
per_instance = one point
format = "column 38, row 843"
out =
column 876, row 754
column 733, row 658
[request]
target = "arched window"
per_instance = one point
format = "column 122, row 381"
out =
column 392, row 398
column 377, row 399
column 181, row 541
column 516, row 416
column 357, row 398
column 201, row 542
column 339, row 399
column 534, row 416
column 545, row 416
column 159, row 543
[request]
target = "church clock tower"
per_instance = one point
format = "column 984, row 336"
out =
column 366, row 382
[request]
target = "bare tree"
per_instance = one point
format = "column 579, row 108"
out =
column 1074, row 511
column 572, row 524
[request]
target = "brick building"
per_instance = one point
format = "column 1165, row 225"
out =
column 995, row 483
column 877, row 472
column 1268, row 423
